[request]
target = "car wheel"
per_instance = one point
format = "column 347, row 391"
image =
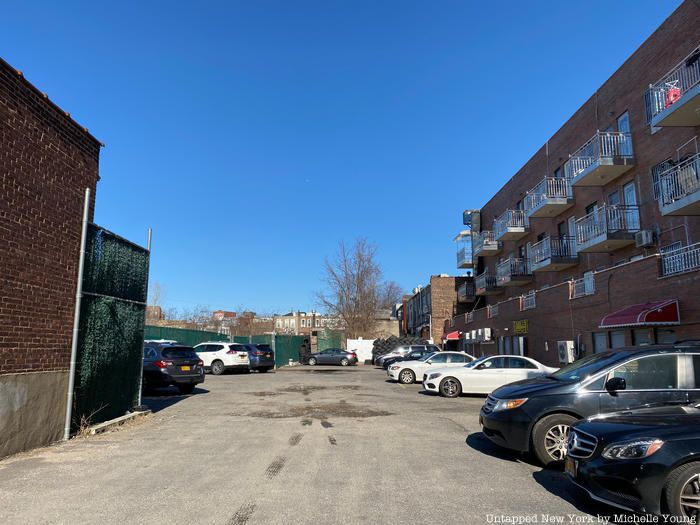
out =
column 549, row 438
column 683, row 492
column 407, row 377
column 450, row 387
column 312, row 361
column 217, row 368
column 185, row 389
column 263, row 370
column 344, row 362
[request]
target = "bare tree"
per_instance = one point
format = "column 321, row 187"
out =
column 390, row 294
column 157, row 294
column 353, row 288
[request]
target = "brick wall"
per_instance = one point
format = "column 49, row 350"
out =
column 46, row 162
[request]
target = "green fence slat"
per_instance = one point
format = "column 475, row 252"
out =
column 183, row 335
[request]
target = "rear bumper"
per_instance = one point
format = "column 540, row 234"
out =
column 161, row 380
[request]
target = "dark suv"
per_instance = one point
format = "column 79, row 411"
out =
column 176, row 365
column 535, row 414
column 261, row 357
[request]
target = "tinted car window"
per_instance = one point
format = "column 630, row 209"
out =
column 458, row 358
column 496, row 362
column 585, row 367
column 657, row 372
column 215, row 348
column 696, row 370
column 439, row 358
column 433, row 348
column 174, row 353
column 417, row 348
column 514, row 362
column 149, row 353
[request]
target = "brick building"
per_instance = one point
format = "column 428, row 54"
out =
column 594, row 242
column 430, row 307
column 46, row 162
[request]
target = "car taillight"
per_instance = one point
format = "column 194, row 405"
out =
column 354, row 355
column 258, row 352
column 200, row 363
column 162, row 364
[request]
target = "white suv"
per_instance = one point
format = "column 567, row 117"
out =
column 218, row 356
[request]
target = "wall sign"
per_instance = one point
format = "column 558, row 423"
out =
column 520, row 327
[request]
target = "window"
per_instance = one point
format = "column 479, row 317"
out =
column 623, row 123
column 215, row 348
column 318, row 323
column 457, row 358
column 559, row 173
column 149, row 353
column 303, row 323
column 591, row 207
column 614, row 198
column 659, row 372
column 562, row 230
column 433, row 348
column 641, row 336
column 598, row 384
column 514, row 362
column 656, row 172
column 665, row 336
column 292, row 323
column 439, row 358
column 496, row 362
column 696, row 370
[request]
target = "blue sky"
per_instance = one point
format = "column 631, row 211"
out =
column 253, row 136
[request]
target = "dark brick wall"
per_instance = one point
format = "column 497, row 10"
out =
column 46, row 162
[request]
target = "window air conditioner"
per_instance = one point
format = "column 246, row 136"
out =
column 566, row 351
column 644, row 238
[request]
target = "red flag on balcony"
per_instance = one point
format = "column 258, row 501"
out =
column 656, row 313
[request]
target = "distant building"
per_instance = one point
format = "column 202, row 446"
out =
column 302, row 323
column 154, row 313
column 223, row 315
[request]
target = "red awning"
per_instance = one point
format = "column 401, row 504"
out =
column 657, row 313
column 452, row 336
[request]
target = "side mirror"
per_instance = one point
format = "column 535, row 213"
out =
column 429, row 361
column 615, row 383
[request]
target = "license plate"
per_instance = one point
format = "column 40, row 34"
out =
column 185, row 368
column 242, row 356
column 571, row 467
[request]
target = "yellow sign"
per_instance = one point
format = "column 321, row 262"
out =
column 520, row 327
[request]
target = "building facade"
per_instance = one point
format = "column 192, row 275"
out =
column 595, row 242
column 431, row 306
column 47, row 161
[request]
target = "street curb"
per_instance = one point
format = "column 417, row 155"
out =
column 117, row 421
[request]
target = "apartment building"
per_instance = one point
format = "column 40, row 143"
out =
column 595, row 242
column 301, row 323
column 430, row 306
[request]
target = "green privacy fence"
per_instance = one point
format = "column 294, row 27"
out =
column 111, row 329
column 286, row 346
column 329, row 339
column 182, row 335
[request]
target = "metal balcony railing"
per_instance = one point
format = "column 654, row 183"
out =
column 485, row 280
column 679, row 181
column 668, row 90
column 607, row 219
column 528, row 301
column 512, row 267
column 464, row 256
column 483, row 238
column 492, row 311
column 682, row 260
column 510, row 219
column 552, row 247
column 466, row 291
column 604, row 144
column 582, row 287
column 548, row 188
column 469, row 317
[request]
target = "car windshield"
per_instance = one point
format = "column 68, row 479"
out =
column 585, row 367
column 476, row 362
column 181, row 353
column 426, row 357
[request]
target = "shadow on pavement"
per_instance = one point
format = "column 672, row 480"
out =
column 161, row 398
column 557, row 483
column 479, row 442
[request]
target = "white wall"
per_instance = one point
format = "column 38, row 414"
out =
column 363, row 348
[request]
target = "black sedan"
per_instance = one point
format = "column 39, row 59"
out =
column 333, row 356
column 413, row 355
column 176, row 365
column 645, row 460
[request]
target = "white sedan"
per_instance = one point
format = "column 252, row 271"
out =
column 484, row 375
column 407, row 372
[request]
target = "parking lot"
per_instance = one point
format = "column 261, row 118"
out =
column 303, row 445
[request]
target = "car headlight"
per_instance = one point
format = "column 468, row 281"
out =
column 393, row 367
column 508, row 404
column 638, row 448
column 434, row 376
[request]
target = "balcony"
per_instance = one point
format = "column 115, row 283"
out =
column 675, row 99
column 491, row 311
column 528, row 301
column 553, row 254
column 466, row 292
column 464, row 249
column 682, row 260
column 486, row 285
column 606, row 156
column 552, row 196
column 679, row 188
column 582, row 287
column 514, row 271
column 486, row 245
column 511, row 226
column 607, row 228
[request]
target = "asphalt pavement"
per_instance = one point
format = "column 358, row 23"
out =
column 325, row 445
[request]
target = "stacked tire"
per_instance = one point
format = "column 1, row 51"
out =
column 384, row 346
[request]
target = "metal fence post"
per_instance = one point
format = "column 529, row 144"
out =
column 76, row 318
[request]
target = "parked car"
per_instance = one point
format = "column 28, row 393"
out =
column 483, row 375
column 171, row 365
column 219, row 357
column 413, row 355
column 409, row 371
column 261, row 357
column 535, row 415
column 646, row 460
column 402, row 351
column 333, row 356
